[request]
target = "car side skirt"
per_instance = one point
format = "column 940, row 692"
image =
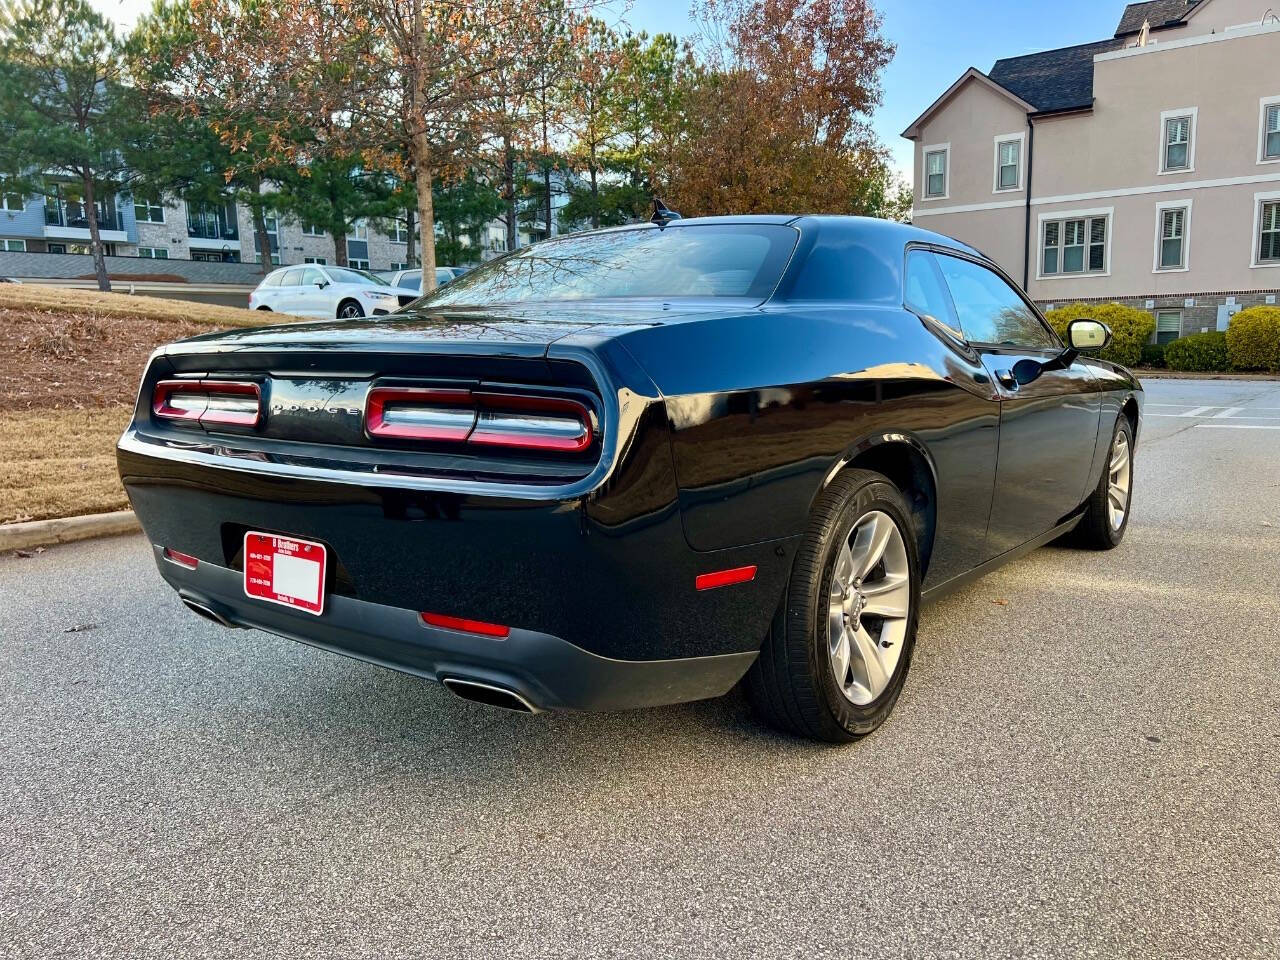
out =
column 980, row 571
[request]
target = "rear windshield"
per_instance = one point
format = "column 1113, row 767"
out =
column 697, row 260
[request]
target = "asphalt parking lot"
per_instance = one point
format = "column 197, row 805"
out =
column 1085, row 762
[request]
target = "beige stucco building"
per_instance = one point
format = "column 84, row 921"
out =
column 1144, row 168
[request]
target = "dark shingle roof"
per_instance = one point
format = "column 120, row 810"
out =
column 1055, row 79
column 1160, row 13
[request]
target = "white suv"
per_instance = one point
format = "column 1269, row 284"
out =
column 312, row 290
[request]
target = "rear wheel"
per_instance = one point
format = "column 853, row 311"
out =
column 349, row 310
column 1107, row 515
column 838, row 651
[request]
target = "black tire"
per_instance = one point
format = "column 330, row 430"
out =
column 792, row 684
column 1096, row 530
column 349, row 309
column 268, row 309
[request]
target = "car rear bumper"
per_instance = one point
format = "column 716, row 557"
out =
column 544, row 672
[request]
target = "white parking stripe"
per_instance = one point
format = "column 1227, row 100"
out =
column 1182, row 416
column 1236, row 426
column 1228, row 413
column 1197, row 412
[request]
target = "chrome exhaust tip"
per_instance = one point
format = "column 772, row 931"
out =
column 195, row 606
column 489, row 694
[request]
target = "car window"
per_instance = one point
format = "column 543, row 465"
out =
column 272, row 280
column 311, row 276
column 989, row 310
column 412, row 281
column 926, row 291
column 292, row 278
column 443, row 275
column 348, row 275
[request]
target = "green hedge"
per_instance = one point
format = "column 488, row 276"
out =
column 1153, row 354
column 1206, row 352
column 1253, row 339
column 1130, row 328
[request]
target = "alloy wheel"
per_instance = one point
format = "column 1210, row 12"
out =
column 869, row 608
column 350, row 312
column 1119, row 474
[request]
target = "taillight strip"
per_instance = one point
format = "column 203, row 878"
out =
column 222, row 402
column 518, row 421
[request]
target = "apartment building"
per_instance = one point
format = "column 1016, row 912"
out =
column 1143, row 168
column 172, row 229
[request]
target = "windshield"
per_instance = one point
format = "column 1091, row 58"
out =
column 347, row 275
column 698, row 260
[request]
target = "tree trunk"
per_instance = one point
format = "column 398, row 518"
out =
column 509, row 192
column 546, row 182
column 595, row 192
column 408, row 246
column 264, row 238
column 423, row 174
column 95, row 236
column 340, row 247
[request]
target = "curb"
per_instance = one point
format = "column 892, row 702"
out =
column 39, row 533
column 1189, row 375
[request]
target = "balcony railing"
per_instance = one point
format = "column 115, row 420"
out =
column 211, row 226
column 73, row 213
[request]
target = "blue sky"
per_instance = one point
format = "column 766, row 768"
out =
column 937, row 41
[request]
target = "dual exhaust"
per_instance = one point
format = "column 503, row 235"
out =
column 476, row 691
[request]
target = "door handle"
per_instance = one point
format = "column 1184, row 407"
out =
column 1007, row 380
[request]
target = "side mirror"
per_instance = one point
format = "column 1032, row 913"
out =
column 322, row 284
column 1088, row 335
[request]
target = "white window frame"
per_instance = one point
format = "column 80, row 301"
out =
column 311, row 230
column 358, row 264
column 1186, row 235
column 4, row 200
column 152, row 254
column 399, row 265
column 1064, row 215
column 1263, row 104
column 945, row 149
column 1255, row 239
column 146, row 203
column 399, row 232
column 21, row 248
column 1155, row 334
column 315, row 261
column 1183, row 112
column 359, row 230
column 1021, row 139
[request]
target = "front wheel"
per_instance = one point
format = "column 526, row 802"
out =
column 1107, row 512
column 349, row 310
column 838, row 651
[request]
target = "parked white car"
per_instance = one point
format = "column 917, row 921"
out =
column 313, row 290
column 412, row 279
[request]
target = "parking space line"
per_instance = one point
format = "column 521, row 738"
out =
column 1236, row 426
column 1228, row 413
column 1197, row 412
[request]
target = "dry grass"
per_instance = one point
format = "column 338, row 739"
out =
column 34, row 296
column 59, row 463
column 72, row 360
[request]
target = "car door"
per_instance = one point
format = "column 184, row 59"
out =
column 288, row 298
column 1048, row 417
column 312, row 299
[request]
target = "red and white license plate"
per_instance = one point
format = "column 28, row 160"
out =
column 285, row 570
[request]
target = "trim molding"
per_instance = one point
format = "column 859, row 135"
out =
column 1160, row 46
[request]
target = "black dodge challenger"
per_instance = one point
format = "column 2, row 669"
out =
column 636, row 466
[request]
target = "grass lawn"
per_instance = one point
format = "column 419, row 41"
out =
column 73, row 359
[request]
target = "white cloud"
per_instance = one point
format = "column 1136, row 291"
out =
column 124, row 12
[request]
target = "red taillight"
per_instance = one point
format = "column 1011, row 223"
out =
column 491, row 419
column 222, row 402
column 725, row 578
column 181, row 559
column 466, row 626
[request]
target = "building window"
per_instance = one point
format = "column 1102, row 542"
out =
column 1177, row 144
column 358, row 231
column 1269, row 148
column 1173, row 223
column 1008, row 163
column 398, row 265
column 148, row 211
column 311, row 230
column 401, row 234
column 275, row 258
column 1269, row 232
column 1168, row 325
column 12, row 202
column 1074, row 245
column 153, row 253
column 15, row 246
column 358, row 264
column 318, row 260
column 937, row 163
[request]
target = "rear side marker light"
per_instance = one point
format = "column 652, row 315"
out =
column 181, row 559
column 466, row 626
column 515, row 421
column 219, row 402
column 725, row 578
